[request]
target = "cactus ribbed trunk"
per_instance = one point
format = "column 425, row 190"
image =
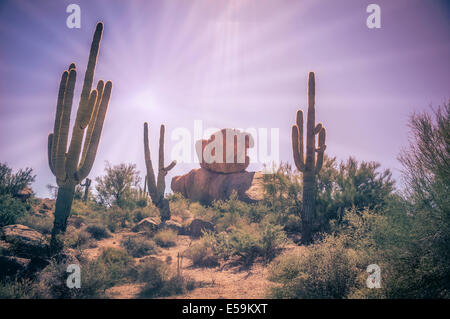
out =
column 308, row 205
column 62, row 212
column 157, row 186
column 312, row 165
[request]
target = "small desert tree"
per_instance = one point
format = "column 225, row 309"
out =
column 427, row 177
column 11, row 208
column 11, row 183
column 115, row 187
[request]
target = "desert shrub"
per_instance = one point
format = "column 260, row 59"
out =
column 202, row 253
column 116, row 218
column 76, row 239
column 350, row 184
column 139, row 247
column 159, row 281
column 16, row 289
column 139, row 214
column 43, row 224
column 166, row 238
column 180, row 207
column 11, row 183
column 273, row 238
column 11, row 210
column 324, row 270
column 52, row 281
column 282, row 193
column 98, row 232
column 247, row 243
column 197, row 209
column 118, row 263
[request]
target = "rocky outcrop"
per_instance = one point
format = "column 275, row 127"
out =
column 233, row 145
column 205, row 186
column 24, row 241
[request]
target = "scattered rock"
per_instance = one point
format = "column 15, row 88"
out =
column 25, row 242
column 197, row 226
column 205, row 186
column 234, row 145
column 148, row 225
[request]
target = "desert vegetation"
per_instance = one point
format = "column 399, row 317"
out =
column 309, row 232
column 361, row 217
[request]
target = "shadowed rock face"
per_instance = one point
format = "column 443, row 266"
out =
column 233, row 145
column 205, row 186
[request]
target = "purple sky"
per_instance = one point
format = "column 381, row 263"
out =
column 236, row 64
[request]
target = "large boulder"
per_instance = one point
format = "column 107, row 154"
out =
column 148, row 225
column 205, row 186
column 198, row 226
column 233, row 144
column 25, row 242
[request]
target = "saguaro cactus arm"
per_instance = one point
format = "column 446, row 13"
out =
column 297, row 142
column 90, row 147
column 85, row 107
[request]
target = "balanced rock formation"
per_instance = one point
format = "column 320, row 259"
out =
column 225, row 151
column 205, row 186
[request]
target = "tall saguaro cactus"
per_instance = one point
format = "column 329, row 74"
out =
column 156, row 187
column 72, row 165
column 312, row 165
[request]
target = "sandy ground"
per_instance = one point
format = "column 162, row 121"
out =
column 224, row 281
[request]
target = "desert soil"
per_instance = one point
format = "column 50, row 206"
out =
column 225, row 281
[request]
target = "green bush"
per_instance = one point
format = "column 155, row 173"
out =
column 139, row 247
column 12, row 183
column 140, row 213
column 247, row 243
column 324, row 270
column 159, row 281
column 98, row 232
column 51, row 281
column 16, row 289
column 77, row 239
column 202, row 254
column 119, row 264
column 166, row 238
column 43, row 224
column 11, row 210
column 115, row 218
